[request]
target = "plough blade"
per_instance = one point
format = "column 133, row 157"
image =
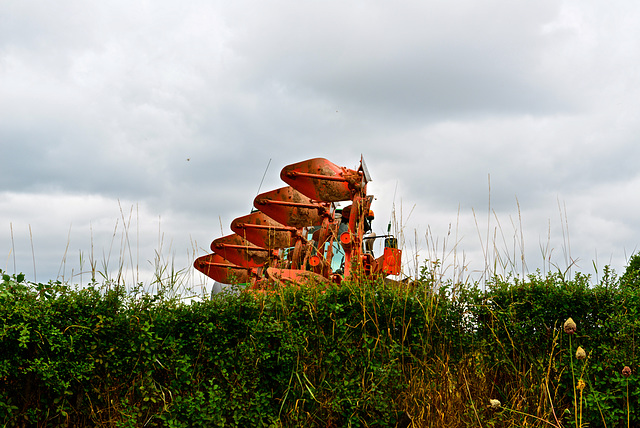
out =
column 291, row 208
column 295, row 277
column 263, row 231
column 322, row 180
column 240, row 252
column 221, row 270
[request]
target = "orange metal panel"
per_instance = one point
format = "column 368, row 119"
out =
column 295, row 277
column 322, row 180
column 263, row 231
column 221, row 270
column 240, row 252
column 291, row 208
column 391, row 262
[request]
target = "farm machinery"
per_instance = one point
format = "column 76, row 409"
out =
column 300, row 234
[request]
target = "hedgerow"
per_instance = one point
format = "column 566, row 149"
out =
column 362, row 354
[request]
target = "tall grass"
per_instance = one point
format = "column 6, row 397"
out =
column 120, row 262
column 453, row 376
column 503, row 254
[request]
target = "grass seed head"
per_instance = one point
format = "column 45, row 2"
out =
column 570, row 326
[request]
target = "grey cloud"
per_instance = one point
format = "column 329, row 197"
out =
column 180, row 107
column 415, row 61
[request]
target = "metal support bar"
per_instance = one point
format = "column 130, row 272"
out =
column 293, row 174
column 266, row 226
column 289, row 204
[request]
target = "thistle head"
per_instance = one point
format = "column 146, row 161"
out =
column 570, row 326
column 580, row 353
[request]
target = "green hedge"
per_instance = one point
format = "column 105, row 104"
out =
column 360, row 355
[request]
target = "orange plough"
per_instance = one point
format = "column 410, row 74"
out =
column 299, row 234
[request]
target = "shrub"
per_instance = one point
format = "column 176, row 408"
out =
column 369, row 354
column 631, row 276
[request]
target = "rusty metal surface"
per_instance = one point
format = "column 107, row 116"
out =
column 240, row 252
column 221, row 270
column 263, row 231
column 295, row 276
column 322, row 180
column 290, row 207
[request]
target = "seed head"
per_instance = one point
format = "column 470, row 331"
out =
column 569, row 326
column 580, row 386
column 580, row 354
column 495, row 404
column 626, row 371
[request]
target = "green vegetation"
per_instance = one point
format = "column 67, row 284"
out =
column 361, row 354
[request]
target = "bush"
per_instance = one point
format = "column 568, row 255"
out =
column 631, row 276
column 368, row 354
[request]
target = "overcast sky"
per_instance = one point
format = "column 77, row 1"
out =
column 135, row 128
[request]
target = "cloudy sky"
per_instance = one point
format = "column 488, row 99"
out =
column 493, row 130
